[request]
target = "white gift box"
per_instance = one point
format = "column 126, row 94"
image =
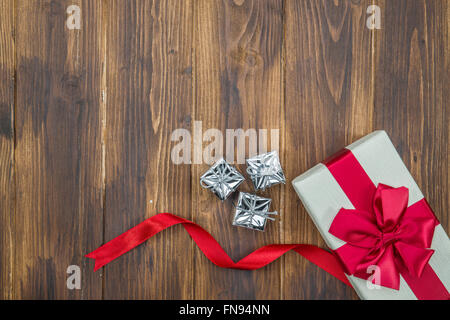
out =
column 323, row 197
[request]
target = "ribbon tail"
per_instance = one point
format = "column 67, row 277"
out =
column 318, row 256
column 324, row 260
column 99, row 260
column 212, row 249
column 265, row 255
column 132, row 238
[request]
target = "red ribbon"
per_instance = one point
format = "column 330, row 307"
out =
column 212, row 250
column 384, row 231
column 390, row 237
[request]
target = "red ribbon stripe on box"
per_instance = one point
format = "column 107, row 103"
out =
column 384, row 231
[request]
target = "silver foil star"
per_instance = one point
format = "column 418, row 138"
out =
column 222, row 179
column 252, row 211
column 265, row 170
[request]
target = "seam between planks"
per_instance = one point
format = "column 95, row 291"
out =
column 103, row 106
column 283, row 143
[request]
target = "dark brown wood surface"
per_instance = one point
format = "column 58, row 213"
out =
column 86, row 119
column 58, row 172
column 7, row 190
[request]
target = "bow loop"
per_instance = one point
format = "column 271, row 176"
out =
column 414, row 258
column 390, row 237
column 356, row 227
column 389, row 206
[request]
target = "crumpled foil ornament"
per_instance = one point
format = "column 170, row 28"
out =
column 222, row 179
column 265, row 170
column 252, row 211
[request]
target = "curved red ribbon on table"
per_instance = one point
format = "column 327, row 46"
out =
column 212, row 250
column 384, row 231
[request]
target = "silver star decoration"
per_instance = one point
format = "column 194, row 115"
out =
column 265, row 170
column 222, row 179
column 252, row 211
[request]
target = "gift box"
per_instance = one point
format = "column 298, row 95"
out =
column 222, row 179
column 252, row 211
column 373, row 216
column 265, row 170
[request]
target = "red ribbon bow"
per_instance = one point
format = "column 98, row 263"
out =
column 391, row 237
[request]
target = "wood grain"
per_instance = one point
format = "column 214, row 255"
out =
column 7, row 190
column 58, row 149
column 412, row 93
column 87, row 116
column 328, row 104
column 237, row 84
column 148, row 89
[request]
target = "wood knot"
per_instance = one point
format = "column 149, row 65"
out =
column 249, row 57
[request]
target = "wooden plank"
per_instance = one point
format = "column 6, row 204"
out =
column 7, row 191
column 58, row 149
column 412, row 92
column 238, row 83
column 329, row 103
column 148, row 63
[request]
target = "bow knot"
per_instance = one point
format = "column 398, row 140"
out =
column 390, row 237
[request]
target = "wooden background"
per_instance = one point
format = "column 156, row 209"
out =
column 86, row 118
